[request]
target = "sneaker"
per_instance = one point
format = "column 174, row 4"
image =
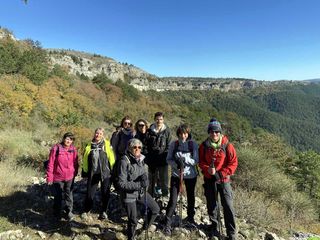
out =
column 103, row 216
column 167, row 231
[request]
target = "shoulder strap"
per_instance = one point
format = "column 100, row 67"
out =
column 204, row 147
column 190, row 146
column 224, row 147
column 57, row 150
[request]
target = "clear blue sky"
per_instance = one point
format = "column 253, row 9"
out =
column 259, row 39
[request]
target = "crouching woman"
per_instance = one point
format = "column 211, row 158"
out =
column 133, row 182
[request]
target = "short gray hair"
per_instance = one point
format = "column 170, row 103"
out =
column 134, row 142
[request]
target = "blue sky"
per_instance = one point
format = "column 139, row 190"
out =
column 258, row 39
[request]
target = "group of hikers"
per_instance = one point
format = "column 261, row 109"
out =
column 136, row 161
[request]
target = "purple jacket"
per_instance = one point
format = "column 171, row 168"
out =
column 63, row 165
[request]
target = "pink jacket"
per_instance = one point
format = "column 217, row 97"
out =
column 63, row 165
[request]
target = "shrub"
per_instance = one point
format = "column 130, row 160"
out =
column 101, row 79
column 129, row 92
column 33, row 64
column 9, row 57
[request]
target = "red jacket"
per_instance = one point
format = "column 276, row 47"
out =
column 63, row 165
column 225, row 162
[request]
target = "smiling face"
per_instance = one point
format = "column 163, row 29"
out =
column 136, row 150
column 214, row 135
column 159, row 121
column 98, row 135
column 183, row 136
column 67, row 142
column 142, row 127
column 127, row 124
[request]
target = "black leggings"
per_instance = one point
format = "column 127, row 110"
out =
column 92, row 185
column 174, row 191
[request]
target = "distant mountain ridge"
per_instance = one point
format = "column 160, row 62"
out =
column 90, row 65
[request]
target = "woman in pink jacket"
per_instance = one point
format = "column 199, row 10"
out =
column 61, row 171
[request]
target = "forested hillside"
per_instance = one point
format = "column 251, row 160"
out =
column 290, row 111
column 271, row 127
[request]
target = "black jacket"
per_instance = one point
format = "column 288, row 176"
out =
column 157, row 145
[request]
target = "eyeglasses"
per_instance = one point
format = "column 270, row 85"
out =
column 136, row 147
column 141, row 125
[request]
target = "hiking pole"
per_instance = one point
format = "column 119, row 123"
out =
column 180, row 193
column 216, row 196
column 218, row 210
column 146, row 235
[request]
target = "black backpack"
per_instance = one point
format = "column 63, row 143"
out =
column 46, row 163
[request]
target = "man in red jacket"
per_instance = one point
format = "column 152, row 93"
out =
column 218, row 161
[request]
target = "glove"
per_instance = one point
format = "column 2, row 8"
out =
column 180, row 162
column 144, row 181
column 178, row 155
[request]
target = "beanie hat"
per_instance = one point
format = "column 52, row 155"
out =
column 214, row 125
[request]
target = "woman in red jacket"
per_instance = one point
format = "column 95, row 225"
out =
column 218, row 161
column 61, row 171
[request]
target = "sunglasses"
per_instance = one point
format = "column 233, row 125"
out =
column 215, row 132
column 141, row 125
column 127, row 123
column 136, row 147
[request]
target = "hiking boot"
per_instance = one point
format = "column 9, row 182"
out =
column 70, row 216
column 231, row 237
column 167, row 231
column 190, row 220
column 103, row 216
column 214, row 235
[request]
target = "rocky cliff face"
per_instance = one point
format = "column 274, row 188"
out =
column 90, row 65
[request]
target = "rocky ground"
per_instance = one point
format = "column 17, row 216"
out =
column 30, row 211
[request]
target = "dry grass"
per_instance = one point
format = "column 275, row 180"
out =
column 13, row 178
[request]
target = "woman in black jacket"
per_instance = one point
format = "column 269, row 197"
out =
column 133, row 182
column 140, row 128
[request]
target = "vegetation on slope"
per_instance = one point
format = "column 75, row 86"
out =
column 39, row 103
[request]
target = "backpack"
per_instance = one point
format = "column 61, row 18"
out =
column 176, row 145
column 46, row 163
column 116, row 172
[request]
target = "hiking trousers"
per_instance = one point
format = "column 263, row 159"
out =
column 92, row 186
column 63, row 189
column 174, row 192
column 226, row 197
column 131, row 208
